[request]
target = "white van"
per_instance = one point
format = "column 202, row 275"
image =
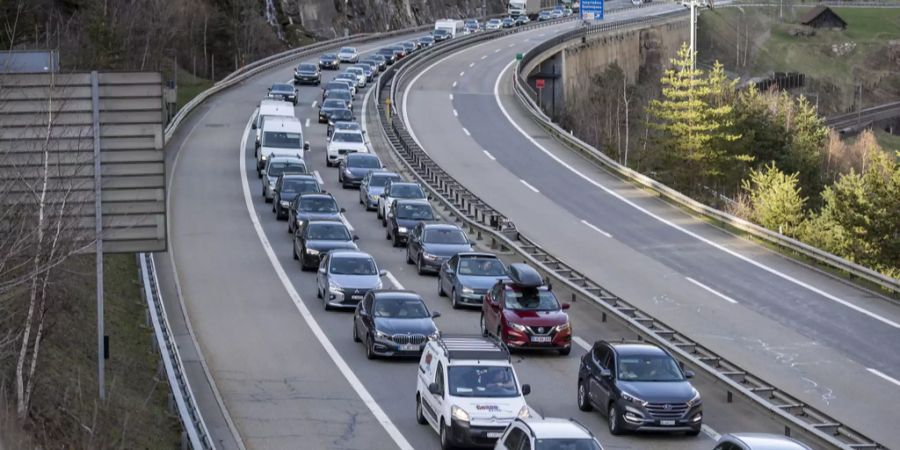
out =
column 280, row 136
column 267, row 108
column 467, row 390
column 453, row 26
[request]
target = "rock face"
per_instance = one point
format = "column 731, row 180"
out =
column 326, row 19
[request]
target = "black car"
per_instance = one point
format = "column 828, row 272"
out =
column 316, row 238
column 405, row 215
column 521, row 20
column 430, row 245
column 399, row 52
column 328, row 107
column 393, row 323
column 409, row 46
column 329, row 61
column 440, row 35
column 334, row 85
column 283, row 91
column 287, row 188
column 341, row 94
column 507, row 23
column 354, row 168
column 311, row 206
column 307, row 74
column 639, row 386
column 388, row 55
column 426, row 41
column 379, row 61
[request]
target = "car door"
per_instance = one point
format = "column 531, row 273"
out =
column 364, row 189
column 491, row 307
column 322, row 276
column 436, row 401
column 277, row 194
column 513, row 439
column 384, row 197
column 600, row 384
column 448, row 274
column 365, row 315
column 413, row 243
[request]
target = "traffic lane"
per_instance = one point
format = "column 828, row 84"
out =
column 797, row 363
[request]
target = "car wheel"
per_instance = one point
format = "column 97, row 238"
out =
column 361, row 202
column 355, row 333
column 454, row 300
column 409, row 259
column 446, row 440
column 397, row 242
column 290, row 226
column 420, row 416
column 378, row 213
column 441, row 292
column 484, row 330
column 383, row 221
column 565, row 351
column 318, row 292
column 387, row 234
column 614, row 428
column 370, row 352
column 419, row 267
column 294, row 251
column 275, row 208
column 584, row 402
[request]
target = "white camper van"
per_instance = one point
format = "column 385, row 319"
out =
column 452, row 26
column 270, row 108
column 281, row 136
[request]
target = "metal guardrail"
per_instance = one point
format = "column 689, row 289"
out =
column 485, row 223
column 197, row 433
column 864, row 118
column 527, row 96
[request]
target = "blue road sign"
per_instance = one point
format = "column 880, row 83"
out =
column 591, row 9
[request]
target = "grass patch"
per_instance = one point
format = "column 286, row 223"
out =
column 889, row 142
column 187, row 91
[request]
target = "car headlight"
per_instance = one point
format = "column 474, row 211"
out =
column 374, row 197
column 435, row 336
column 695, row 400
column 563, row 328
column 263, row 157
column 312, row 251
column 466, row 290
column 630, row 398
column 347, row 172
column 429, row 256
column 518, row 327
column 381, row 334
column 524, row 413
column 285, row 204
column 402, row 229
column 379, row 285
column 459, row 413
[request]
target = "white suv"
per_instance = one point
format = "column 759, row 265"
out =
column 537, row 434
column 343, row 142
column 467, row 390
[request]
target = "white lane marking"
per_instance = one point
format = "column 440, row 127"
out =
column 347, row 223
column 483, row 56
column 404, row 99
column 314, row 103
column 462, row 73
column 455, row 114
column 708, row 430
column 595, row 228
column 466, row 131
column 881, row 374
column 471, row 64
column 318, row 177
column 542, row 34
column 497, row 51
column 454, row 84
column 709, row 289
column 489, row 155
column 529, row 186
column 394, row 280
column 307, row 122
column 311, row 322
column 511, row 44
column 675, row 226
column 581, row 342
column 363, row 119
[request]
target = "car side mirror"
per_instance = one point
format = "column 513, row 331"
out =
column 355, row 237
column 433, row 388
column 689, row 374
column 343, row 210
column 526, row 389
column 605, row 373
column 435, row 314
column 321, row 270
column 566, row 306
column 253, row 126
column 363, row 312
column 306, row 146
column 382, row 273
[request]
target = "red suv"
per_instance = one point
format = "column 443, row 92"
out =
column 524, row 313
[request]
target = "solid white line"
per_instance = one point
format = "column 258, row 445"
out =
column 454, row 84
column 708, row 430
column 489, row 155
column 581, row 342
column 881, row 374
column 314, row 103
column 529, row 186
column 471, row 64
column 363, row 119
column 675, row 226
column 318, row 178
column 462, row 73
column 466, row 131
column 307, row 122
column 347, row 223
column 595, row 228
column 394, row 280
column 455, row 114
column 727, row 298
column 542, row 34
column 311, row 322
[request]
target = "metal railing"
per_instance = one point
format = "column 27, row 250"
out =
column 527, row 97
column 489, row 226
column 865, row 117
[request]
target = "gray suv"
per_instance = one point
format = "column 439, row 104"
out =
column 345, row 276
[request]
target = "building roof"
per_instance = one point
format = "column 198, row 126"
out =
column 816, row 12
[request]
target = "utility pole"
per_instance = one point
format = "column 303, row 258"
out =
column 859, row 106
column 693, row 34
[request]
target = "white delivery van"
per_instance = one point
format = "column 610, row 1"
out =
column 280, row 136
column 467, row 390
column 273, row 108
column 452, row 26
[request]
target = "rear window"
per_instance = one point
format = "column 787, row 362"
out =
column 381, row 180
column 277, row 168
column 364, row 161
column 445, row 236
column 355, row 138
column 407, row 191
column 299, row 186
column 280, row 139
column 334, row 103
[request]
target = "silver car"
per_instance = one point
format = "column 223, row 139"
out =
column 373, row 186
column 276, row 166
column 758, row 441
column 349, row 55
column 345, row 276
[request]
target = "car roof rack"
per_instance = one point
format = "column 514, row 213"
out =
column 472, row 346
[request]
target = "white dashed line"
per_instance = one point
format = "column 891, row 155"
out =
column 595, row 228
column 394, row 280
column 711, row 290
column 542, row 34
column 467, row 132
column 307, row 122
column 881, row 374
column 454, row 84
column 581, row 342
column 451, row 96
column 707, row 430
column 497, row 51
column 455, row 114
column 314, row 103
column 483, row 56
column 471, row 64
column 462, row 73
column 512, row 44
column 530, row 186
column 318, row 177
column 489, row 155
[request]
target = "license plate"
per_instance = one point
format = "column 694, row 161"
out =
column 356, row 297
column 409, row 348
column 494, row 434
column 540, row 339
column 667, row 422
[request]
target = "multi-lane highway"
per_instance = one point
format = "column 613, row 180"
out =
column 829, row 343
column 287, row 371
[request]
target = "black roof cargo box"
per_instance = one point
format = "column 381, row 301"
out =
column 525, row 276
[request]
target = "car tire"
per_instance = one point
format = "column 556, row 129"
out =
column 409, row 259
column 484, row 330
column 384, row 221
column 441, row 292
column 378, row 211
column 565, row 351
column 419, row 269
column 294, row 251
column 584, row 401
column 387, row 234
column 454, row 300
column 446, row 439
column 355, row 332
column 614, row 428
column 318, row 292
column 370, row 353
column 420, row 415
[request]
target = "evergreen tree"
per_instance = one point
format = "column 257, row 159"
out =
column 775, row 199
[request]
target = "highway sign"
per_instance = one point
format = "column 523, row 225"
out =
column 591, row 9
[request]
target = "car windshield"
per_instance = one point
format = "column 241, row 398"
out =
column 353, row 265
column 348, row 50
column 531, row 300
column 328, row 232
column 566, row 444
column 381, row 180
column 346, row 126
column 364, row 162
column 329, row 56
column 648, row 368
column 440, row 32
column 280, row 139
column 482, row 381
column 307, row 68
column 407, row 191
column 299, row 186
column 414, row 212
column 318, row 205
column 334, row 103
column 282, row 88
column 347, row 137
column 342, row 114
column 445, row 236
column 335, row 85
column 481, row 267
column 400, row 308
column 278, row 168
